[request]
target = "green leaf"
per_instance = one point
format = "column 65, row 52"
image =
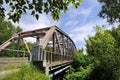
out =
column 11, row 3
column 33, row 12
column 40, row 6
column 25, row 7
column 7, row 1
column 19, row 12
column 37, row 16
column 19, row 1
column 1, row 1
column 13, row 7
column 34, row 1
column 80, row 0
column 30, row 6
column 24, row 10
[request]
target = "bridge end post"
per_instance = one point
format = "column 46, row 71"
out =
column 39, row 59
column 47, row 70
column 44, row 63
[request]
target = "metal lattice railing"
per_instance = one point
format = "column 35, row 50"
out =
column 54, row 58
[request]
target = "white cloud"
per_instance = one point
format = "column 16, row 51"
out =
column 74, row 17
column 79, row 12
column 30, row 23
column 85, row 28
column 85, row 11
column 79, row 23
column 71, row 23
column 78, row 34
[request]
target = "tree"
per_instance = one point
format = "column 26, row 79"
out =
column 102, row 43
column 110, row 10
column 102, row 61
column 104, row 48
column 81, row 68
column 7, row 30
column 116, row 34
column 36, row 7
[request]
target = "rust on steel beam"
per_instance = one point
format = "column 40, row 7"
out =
column 44, row 34
column 53, row 50
column 18, row 46
column 32, row 31
column 33, row 34
column 8, row 42
column 63, row 40
column 57, row 38
column 47, row 37
column 62, row 32
column 38, row 32
column 26, row 46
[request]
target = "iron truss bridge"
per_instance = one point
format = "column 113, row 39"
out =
column 53, row 50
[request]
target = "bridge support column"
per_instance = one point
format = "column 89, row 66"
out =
column 44, row 64
column 44, row 59
column 47, row 71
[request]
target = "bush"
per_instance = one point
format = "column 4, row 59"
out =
column 27, row 72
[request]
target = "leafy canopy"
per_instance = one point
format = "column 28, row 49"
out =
column 7, row 30
column 81, row 68
column 104, row 47
column 110, row 10
column 26, row 72
column 102, row 61
column 36, row 7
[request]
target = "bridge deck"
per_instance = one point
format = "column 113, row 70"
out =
column 53, row 47
column 56, row 63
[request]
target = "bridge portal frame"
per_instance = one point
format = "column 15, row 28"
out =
column 52, row 45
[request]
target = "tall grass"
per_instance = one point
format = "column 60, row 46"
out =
column 27, row 72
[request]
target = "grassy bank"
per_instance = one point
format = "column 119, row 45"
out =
column 8, row 63
column 27, row 72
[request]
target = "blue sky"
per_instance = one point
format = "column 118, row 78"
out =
column 77, row 23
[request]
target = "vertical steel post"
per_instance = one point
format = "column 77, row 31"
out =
column 18, row 47
column 51, row 57
column 63, row 47
column 44, row 59
column 53, row 50
column 37, row 40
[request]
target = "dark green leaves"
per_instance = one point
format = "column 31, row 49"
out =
column 37, row 16
column 53, row 7
column 30, row 6
column 102, row 61
column 33, row 12
column 7, row 1
column 104, row 46
column 7, row 29
column 81, row 68
column 1, row 1
column 110, row 10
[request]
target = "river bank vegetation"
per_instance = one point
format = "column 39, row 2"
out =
column 102, row 60
column 27, row 72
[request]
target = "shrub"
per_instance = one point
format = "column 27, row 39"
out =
column 27, row 72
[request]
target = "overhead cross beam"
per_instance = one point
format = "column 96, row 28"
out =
column 44, row 34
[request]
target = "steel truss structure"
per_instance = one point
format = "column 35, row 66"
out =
column 53, row 46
